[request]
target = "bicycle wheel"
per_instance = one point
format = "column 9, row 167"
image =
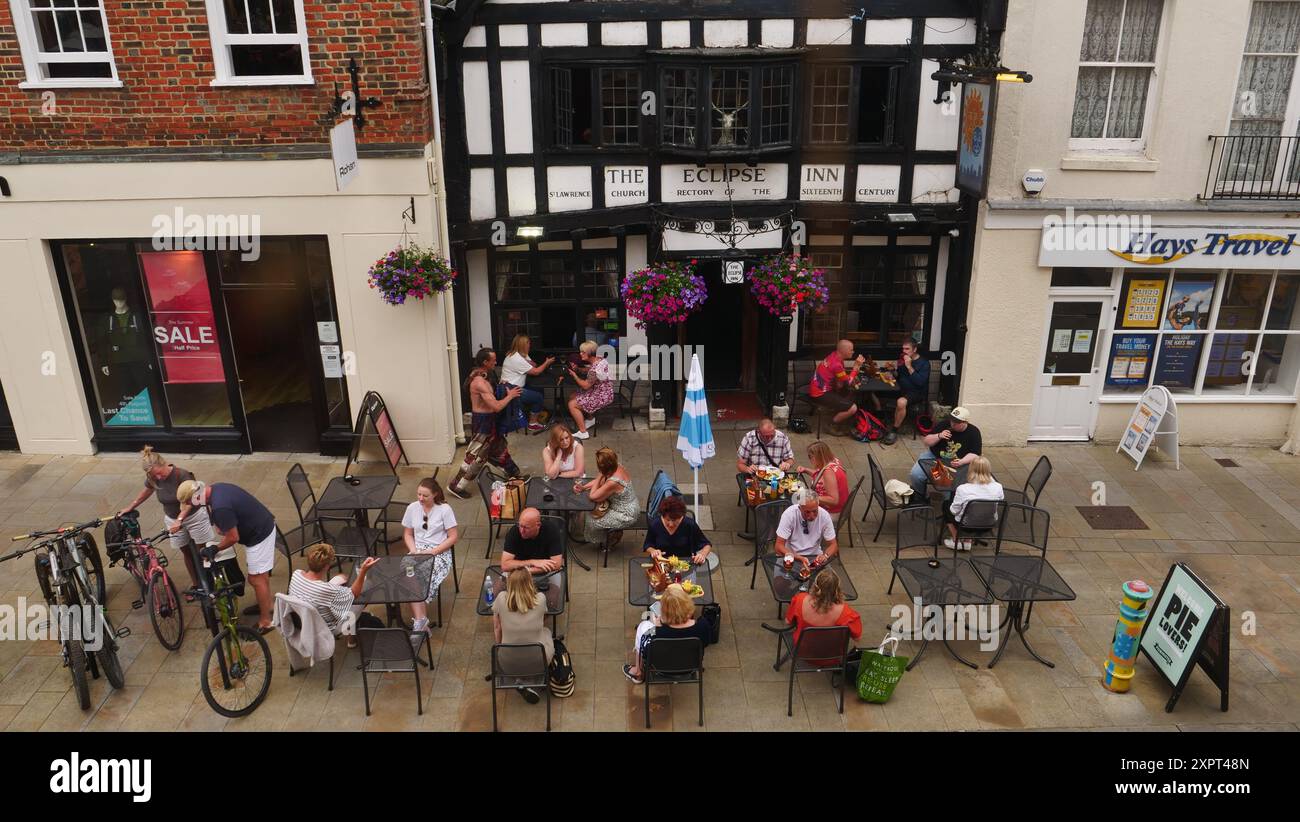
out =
column 165, row 611
column 77, row 666
column 106, row 656
column 94, row 568
column 236, row 672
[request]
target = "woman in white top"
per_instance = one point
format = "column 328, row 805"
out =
column 562, row 456
column 979, row 485
column 517, row 368
column 429, row 527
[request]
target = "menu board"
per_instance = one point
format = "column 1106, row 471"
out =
column 1155, row 415
column 1130, row 359
column 1188, row 626
column 1179, row 356
column 1142, row 303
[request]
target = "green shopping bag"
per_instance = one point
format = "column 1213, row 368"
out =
column 879, row 672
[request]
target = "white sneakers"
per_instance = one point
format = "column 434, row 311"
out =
column 960, row 545
column 581, row 435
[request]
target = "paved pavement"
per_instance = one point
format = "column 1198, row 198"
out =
column 1238, row 528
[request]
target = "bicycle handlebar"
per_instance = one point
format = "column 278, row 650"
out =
column 25, row 550
column 63, row 529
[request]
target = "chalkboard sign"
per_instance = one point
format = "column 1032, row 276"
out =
column 1188, row 626
column 374, row 412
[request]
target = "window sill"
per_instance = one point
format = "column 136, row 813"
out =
column 262, row 81
column 69, row 84
column 1109, row 162
column 1206, row 399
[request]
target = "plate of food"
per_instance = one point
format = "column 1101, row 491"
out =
column 678, row 564
column 767, row 474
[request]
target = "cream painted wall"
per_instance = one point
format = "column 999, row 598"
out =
column 1209, row 423
column 400, row 351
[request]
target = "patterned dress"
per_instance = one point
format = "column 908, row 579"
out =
column 624, row 508
column 601, row 392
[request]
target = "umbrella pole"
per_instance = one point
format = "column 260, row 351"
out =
column 696, row 473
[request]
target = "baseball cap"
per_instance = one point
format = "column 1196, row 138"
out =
column 960, row 413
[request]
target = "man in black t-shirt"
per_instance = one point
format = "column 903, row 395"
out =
column 955, row 441
column 534, row 543
column 239, row 518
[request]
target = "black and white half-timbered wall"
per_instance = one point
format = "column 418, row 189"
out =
column 588, row 139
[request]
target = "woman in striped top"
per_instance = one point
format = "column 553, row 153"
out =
column 333, row 597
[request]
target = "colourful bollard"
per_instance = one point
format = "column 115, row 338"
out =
column 1117, row 671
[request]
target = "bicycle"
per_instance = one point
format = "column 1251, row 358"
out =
column 75, row 593
column 148, row 567
column 236, row 670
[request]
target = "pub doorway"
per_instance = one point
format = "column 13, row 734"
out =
column 723, row 332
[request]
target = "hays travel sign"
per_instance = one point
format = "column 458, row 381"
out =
column 1119, row 240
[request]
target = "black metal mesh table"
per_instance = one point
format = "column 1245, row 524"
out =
column 394, row 580
column 785, row 584
column 563, row 500
column 551, row 585
column 641, row 594
column 371, row 493
column 940, row 583
column 1017, row 579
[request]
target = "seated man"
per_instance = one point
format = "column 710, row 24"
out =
column 765, row 446
column 807, row 531
column 956, row 442
column 913, row 374
column 533, row 545
column 832, row 386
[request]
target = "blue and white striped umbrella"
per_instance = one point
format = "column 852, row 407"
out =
column 695, row 437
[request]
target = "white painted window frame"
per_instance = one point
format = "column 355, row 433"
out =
column 29, row 46
column 1125, row 145
column 222, row 40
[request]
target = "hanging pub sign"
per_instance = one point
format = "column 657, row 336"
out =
column 733, row 272
column 975, row 136
column 1189, row 626
column 374, row 412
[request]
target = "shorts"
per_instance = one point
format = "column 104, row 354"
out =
column 835, row 401
column 261, row 557
column 915, row 399
column 195, row 529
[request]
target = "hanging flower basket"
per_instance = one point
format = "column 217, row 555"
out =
column 410, row 273
column 784, row 282
column 665, row 293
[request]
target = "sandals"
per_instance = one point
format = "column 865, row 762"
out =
column 635, row 680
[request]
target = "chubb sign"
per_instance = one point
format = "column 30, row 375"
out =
column 1096, row 241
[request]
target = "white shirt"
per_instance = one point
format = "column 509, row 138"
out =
column 514, row 371
column 566, row 464
column 820, row 530
column 441, row 520
column 969, row 491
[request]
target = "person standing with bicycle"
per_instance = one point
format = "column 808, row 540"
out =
column 239, row 517
column 163, row 478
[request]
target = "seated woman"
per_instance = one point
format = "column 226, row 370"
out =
column 829, row 479
column 517, row 368
column 333, row 597
column 979, row 484
column 561, row 456
column 672, row 533
column 613, row 485
column 677, row 619
column 519, row 618
column 822, row 606
column 595, row 390
column 429, row 527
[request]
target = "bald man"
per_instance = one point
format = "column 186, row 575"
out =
column 832, row 386
column 534, row 544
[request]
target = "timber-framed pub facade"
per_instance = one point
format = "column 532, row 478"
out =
column 587, row 140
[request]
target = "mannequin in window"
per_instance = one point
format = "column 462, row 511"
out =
column 127, row 357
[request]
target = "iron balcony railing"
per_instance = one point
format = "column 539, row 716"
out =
column 1249, row 167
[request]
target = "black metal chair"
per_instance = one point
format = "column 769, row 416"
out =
column 1024, row 525
column 348, row 538
column 625, row 396
column 295, row 541
column 393, row 650
column 817, row 646
column 918, row 527
column 845, row 516
column 766, row 519
column 677, row 661
column 298, row 626
column 979, row 520
column 877, row 495
column 520, row 666
column 485, row 480
column 741, row 479
column 802, row 373
column 1038, row 478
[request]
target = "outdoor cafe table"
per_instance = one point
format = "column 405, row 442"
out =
column 370, row 493
column 750, row 506
column 397, row 579
column 563, row 501
column 785, row 584
column 1017, row 579
column 640, row 593
column 550, row 584
column 950, row 581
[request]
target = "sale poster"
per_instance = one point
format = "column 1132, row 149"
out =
column 180, row 308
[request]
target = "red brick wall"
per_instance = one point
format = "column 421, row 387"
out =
column 164, row 60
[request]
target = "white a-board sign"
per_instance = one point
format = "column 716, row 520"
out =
column 1156, row 416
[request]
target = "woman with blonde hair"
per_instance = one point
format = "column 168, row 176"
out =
column 612, row 485
column 676, row 619
column 822, row 606
column 562, row 456
column 979, row 485
column 828, row 477
column 596, row 390
column 519, row 618
column 333, row 597
column 516, row 368
column 191, row 526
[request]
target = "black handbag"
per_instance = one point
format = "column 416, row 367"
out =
column 713, row 614
column 561, row 676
